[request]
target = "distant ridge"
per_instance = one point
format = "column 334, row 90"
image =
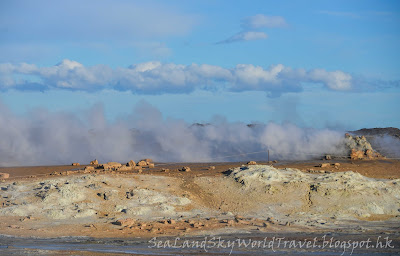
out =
column 392, row 131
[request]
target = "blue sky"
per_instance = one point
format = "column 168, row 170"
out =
column 317, row 64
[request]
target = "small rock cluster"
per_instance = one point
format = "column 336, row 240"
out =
column 131, row 165
column 115, row 166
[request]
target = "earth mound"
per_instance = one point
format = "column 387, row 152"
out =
column 340, row 194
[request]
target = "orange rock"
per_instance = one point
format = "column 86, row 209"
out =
column 142, row 163
column 4, row 175
column 131, row 163
column 185, row 169
column 356, row 154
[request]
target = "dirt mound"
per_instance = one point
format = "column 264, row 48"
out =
column 89, row 195
column 340, row 194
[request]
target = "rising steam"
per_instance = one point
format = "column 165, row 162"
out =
column 48, row 138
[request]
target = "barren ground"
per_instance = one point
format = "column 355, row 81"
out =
column 57, row 201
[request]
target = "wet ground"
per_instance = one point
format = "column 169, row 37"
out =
column 238, row 244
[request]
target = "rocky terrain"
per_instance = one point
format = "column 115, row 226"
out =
column 386, row 141
column 356, row 194
column 250, row 196
column 392, row 131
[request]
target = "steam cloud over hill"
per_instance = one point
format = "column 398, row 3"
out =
column 61, row 138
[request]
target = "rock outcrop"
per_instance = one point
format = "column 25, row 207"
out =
column 131, row 163
column 110, row 166
column 185, row 169
column 359, row 148
column 146, row 163
column 115, row 166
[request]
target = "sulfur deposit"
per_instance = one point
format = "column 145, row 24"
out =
column 246, row 198
column 340, row 194
column 359, row 148
column 90, row 196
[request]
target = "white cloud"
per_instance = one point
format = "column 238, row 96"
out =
column 245, row 36
column 263, row 21
column 335, row 80
column 250, row 25
column 158, row 78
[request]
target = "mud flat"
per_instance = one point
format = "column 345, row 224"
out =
column 121, row 212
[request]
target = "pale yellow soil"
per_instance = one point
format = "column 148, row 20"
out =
column 202, row 201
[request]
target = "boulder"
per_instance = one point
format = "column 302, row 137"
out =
column 76, row 164
column 126, row 168
column 185, row 169
column 94, row 162
column 110, row 166
column 150, row 165
column 324, row 165
column 328, row 157
column 4, row 175
column 142, row 163
column 131, row 163
column 252, row 163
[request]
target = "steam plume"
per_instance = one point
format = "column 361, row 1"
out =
column 45, row 138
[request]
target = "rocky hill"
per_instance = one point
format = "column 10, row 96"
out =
column 386, row 141
column 392, row 131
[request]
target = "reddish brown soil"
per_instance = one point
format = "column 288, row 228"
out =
column 385, row 169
